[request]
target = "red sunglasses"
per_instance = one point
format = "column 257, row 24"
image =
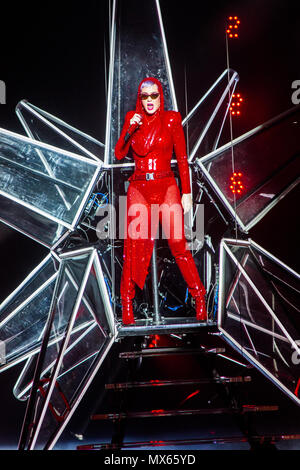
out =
column 145, row 96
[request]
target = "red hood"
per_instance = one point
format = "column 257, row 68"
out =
column 139, row 107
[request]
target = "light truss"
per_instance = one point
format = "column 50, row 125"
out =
column 64, row 318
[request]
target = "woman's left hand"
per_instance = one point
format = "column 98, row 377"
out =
column 186, row 202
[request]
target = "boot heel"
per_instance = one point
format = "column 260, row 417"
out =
column 201, row 313
column 127, row 313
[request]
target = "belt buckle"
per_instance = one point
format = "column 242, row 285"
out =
column 149, row 176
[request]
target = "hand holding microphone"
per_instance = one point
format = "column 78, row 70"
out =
column 134, row 122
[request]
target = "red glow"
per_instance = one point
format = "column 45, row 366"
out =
column 232, row 23
column 297, row 388
column 236, row 184
column 157, row 411
column 154, row 341
column 192, row 394
column 236, row 101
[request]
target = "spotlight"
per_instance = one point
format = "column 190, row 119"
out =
column 236, row 183
column 233, row 23
column 236, row 101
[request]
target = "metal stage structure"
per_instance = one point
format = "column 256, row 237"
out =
column 62, row 188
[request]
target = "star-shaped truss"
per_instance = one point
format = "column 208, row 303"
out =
column 57, row 182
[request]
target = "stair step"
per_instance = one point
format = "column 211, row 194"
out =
column 166, row 326
column 150, row 352
column 193, row 441
column 201, row 411
column 165, row 383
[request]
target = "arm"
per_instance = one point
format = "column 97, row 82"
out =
column 180, row 152
column 122, row 146
column 182, row 160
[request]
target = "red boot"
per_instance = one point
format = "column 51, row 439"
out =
column 127, row 295
column 127, row 312
column 190, row 274
column 201, row 313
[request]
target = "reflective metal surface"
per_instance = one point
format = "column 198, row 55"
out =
column 259, row 311
column 66, row 315
column 52, row 184
column 267, row 166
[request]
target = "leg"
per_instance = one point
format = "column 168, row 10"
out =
column 189, row 271
column 133, row 250
column 127, row 295
column 177, row 243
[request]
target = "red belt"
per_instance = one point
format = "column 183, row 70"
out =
column 151, row 176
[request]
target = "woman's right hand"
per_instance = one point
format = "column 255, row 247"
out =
column 136, row 119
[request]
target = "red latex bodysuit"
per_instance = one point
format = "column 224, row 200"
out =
column 152, row 145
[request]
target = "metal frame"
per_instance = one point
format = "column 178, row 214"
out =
column 92, row 260
column 201, row 160
column 37, row 112
column 233, row 342
column 116, row 330
column 39, row 145
column 232, row 81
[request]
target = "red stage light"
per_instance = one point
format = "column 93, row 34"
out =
column 236, row 102
column 236, row 184
column 233, row 23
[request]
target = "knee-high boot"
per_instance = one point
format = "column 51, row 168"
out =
column 190, row 274
column 127, row 295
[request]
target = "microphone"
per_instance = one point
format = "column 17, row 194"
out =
column 130, row 131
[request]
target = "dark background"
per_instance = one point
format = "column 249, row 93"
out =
column 55, row 55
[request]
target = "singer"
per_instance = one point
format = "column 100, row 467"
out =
column 153, row 133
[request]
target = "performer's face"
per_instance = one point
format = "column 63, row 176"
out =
column 150, row 98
